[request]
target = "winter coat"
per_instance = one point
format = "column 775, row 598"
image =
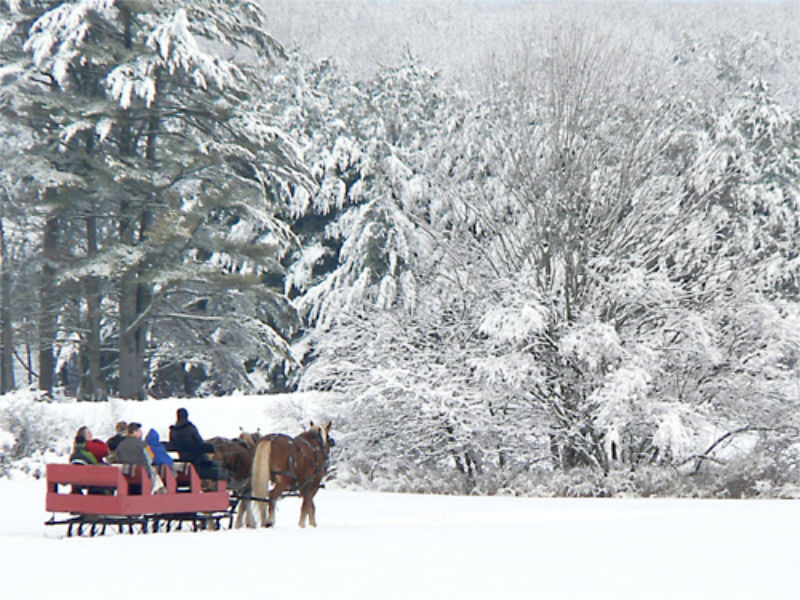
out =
column 187, row 440
column 160, row 456
column 132, row 451
column 115, row 440
column 81, row 456
column 99, row 448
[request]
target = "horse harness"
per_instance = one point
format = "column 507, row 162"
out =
column 321, row 461
column 235, row 482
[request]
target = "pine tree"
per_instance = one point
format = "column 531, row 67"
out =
column 140, row 106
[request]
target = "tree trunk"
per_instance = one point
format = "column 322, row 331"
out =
column 136, row 294
column 144, row 291
column 135, row 298
column 27, row 327
column 130, row 370
column 130, row 362
column 7, row 382
column 95, row 388
column 131, row 350
column 130, row 367
column 47, row 294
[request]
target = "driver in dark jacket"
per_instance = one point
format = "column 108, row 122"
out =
column 191, row 447
column 185, row 438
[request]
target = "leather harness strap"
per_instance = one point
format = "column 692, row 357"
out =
column 320, row 461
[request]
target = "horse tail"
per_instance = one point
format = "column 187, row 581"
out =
column 260, row 476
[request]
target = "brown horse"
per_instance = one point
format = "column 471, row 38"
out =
column 236, row 458
column 293, row 464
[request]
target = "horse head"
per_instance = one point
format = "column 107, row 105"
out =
column 250, row 439
column 323, row 432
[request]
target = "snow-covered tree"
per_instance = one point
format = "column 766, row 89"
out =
column 372, row 194
column 147, row 107
column 579, row 280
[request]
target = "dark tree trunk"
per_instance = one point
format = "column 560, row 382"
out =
column 47, row 295
column 144, row 291
column 95, row 387
column 7, row 382
column 130, row 365
column 136, row 293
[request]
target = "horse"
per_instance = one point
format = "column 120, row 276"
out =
column 236, row 458
column 293, row 464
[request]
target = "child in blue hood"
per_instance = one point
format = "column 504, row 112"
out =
column 160, row 456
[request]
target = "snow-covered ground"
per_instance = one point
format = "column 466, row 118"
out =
column 371, row 545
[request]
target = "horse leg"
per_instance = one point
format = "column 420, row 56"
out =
column 303, row 511
column 244, row 507
column 307, row 511
column 311, row 510
column 280, row 486
column 250, row 518
column 259, row 513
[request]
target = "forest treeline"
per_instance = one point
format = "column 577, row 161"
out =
column 585, row 255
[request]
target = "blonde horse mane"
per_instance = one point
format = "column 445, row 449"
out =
column 261, row 476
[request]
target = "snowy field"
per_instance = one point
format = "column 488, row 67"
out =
column 371, row 545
